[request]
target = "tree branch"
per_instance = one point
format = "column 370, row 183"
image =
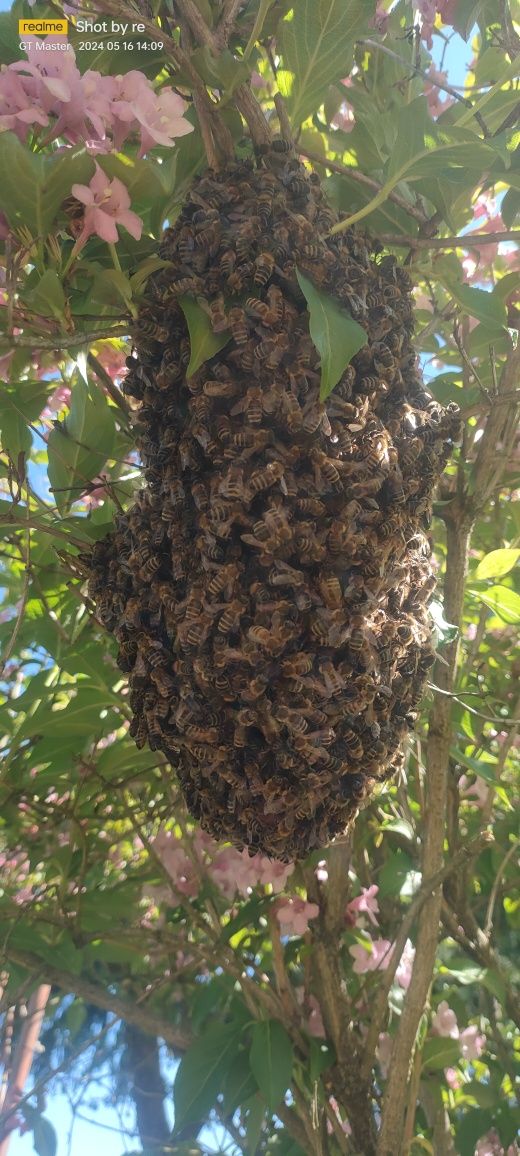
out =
column 380, row 1009
column 230, row 10
column 132, row 1013
column 463, row 241
column 437, row 759
column 361, row 179
column 498, row 439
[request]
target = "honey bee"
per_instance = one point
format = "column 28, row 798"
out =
column 250, row 405
column 394, row 492
column 246, row 236
column 163, row 681
column 238, row 325
column 280, row 145
column 217, row 315
column 255, row 688
column 325, row 470
column 312, row 506
column 271, row 350
column 232, row 485
column 151, row 329
column 292, row 411
column 264, row 268
column 239, row 278
column 331, row 591
column 230, row 617
column 264, row 478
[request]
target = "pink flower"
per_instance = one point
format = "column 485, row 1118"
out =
column 403, row 974
column 373, row 958
column 272, row 872
column 158, row 116
column 293, row 915
column 490, row 1145
column 321, row 872
column 437, row 100
column 380, row 19
column 344, row 118
column 107, row 205
column 444, row 1022
column 366, row 903
column 472, row 1043
column 16, row 112
column 57, row 400
column 233, row 871
column 476, row 792
column 427, row 10
column 315, row 1026
column 452, row 1078
column 384, row 1052
column 177, row 863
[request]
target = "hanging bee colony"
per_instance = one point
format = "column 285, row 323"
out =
column 268, row 589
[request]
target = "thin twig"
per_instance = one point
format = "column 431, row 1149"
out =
column 21, row 609
column 106, row 381
column 488, row 922
column 442, row 85
column 230, row 10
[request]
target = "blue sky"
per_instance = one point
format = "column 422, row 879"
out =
column 99, row 1138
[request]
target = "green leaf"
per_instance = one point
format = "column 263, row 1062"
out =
column 321, row 1057
column 9, row 39
column 204, row 342
column 411, row 122
column 486, row 307
column 336, row 335
column 470, row 1128
column 440, row 1052
column 19, row 405
column 317, row 48
column 271, row 1059
column 447, row 630
column 504, row 602
column 201, row 1073
column 510, row 207
column 497, row 563
column 33, row 185
column 75, row 1016
column 254, row 1123
column 239, row 1084
column 45, row 1140
column 478, row 766
column 79, row 446
column 47, row 297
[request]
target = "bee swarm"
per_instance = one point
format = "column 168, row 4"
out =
column 268, row 589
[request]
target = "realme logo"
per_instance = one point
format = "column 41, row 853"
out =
column 43, row 27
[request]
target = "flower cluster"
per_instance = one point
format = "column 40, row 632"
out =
column 471, row 1041
column 51, row 98
column 107, row 205
column 233, row 872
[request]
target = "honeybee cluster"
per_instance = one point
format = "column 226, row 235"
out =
column 268, row 589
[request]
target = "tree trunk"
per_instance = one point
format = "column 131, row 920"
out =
column 147, row 1087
